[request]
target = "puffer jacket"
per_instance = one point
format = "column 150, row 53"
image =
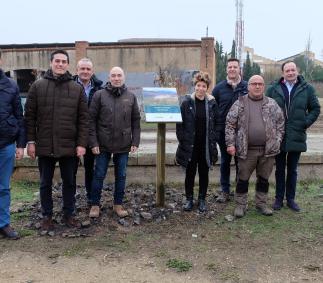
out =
column 225, row 96
column 12, row 127
column 114, row 120
column 302, row 112
column 56, row 115
column 185, row 131
column 236, row 130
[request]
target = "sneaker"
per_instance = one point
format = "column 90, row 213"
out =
column 223, row 197
column 202, row 205
column 95, row 211
column 9, row 233
column 293, row 205
column 188, row 206
column 278, row 204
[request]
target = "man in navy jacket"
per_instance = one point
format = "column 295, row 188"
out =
column 226, row 93
column 12, row 134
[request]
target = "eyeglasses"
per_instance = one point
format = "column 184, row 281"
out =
column 257, row 84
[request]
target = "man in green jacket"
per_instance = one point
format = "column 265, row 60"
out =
column 298, row 100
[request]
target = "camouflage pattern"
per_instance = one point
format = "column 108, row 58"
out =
column 236, row 129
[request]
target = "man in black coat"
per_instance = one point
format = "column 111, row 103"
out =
column 12, row 134
column 86, row 78
column 226, row 93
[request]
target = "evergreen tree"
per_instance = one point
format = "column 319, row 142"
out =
column 221, row 62
column 247, row 68
column 233, row 53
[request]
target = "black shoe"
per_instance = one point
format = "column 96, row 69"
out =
column 9, row 233
column 293, row 205
column 202, row 205
column 188, row 206
column 278, row 204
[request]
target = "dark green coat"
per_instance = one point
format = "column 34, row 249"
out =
column 303, row 111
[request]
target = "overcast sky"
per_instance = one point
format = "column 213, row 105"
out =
column 274, row 28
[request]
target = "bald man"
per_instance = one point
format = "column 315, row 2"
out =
column 114, row 131
column 254, row 131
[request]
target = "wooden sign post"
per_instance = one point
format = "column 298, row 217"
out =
column 160, row 163
column 161, row 106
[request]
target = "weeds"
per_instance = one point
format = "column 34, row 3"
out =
column 179, row 265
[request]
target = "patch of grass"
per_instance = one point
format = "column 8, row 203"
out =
column 23, row 232
column 179, row 265
column 24, row 215
column 23, row 191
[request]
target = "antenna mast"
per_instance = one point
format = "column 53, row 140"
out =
column 239, row 36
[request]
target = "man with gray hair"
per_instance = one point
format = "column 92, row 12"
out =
column 254, row 131
column 90, row 83
column 114, row 130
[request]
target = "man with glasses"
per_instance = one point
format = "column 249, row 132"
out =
column 298, row 100
column 226, row 93
column 254, row 131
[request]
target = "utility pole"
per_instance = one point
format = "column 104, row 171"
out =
column 239, row 32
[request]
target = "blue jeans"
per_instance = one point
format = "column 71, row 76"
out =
column 291, row 159
column 225, row 165
column 102, row 160
column 7, row 159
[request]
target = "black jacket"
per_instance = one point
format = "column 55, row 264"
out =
column 11, row 114
column 56, row 115
column 185, row 131
column 95, row 82
column 225, row 96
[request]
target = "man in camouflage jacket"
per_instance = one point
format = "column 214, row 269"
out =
column 254, row 131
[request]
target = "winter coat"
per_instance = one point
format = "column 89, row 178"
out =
column 11, row 114
column 225, row 96
column 236, row 130
column 96, row 85
column 56, row 115
column 303, row 111
column 185, row 131
column 114, row 120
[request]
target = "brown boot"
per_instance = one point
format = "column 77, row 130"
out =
column 241, row 204
column 261, row 203
column 47, row 223
column 118, row 209
column 95, row 211
column 71, row 222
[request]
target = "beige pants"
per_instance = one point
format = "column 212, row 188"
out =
column 255, row 160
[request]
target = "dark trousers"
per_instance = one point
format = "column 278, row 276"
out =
column 67, row 167
column 225, row 165
column 198, row 161
column 89, row 158
column 283, row 184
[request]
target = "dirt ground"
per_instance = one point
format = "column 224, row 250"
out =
column 287, row 247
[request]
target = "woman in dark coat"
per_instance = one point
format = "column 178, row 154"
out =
column 197, row 139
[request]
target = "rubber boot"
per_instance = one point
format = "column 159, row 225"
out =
column 241, row 201
column 261, row 203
